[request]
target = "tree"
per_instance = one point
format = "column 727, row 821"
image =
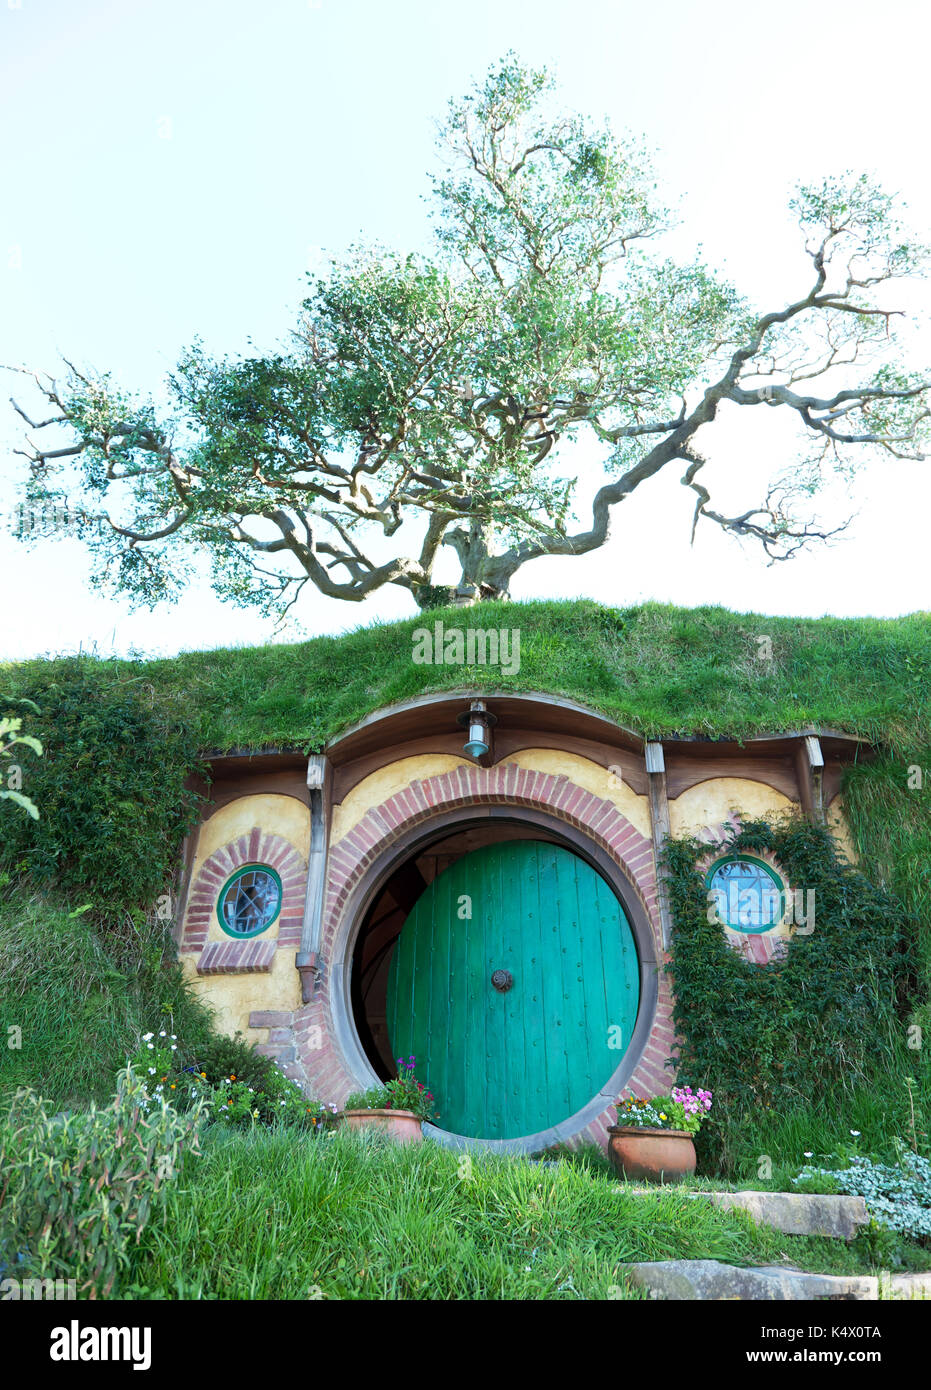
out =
column 448, row 396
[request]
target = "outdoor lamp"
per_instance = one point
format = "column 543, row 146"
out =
column 479, row 722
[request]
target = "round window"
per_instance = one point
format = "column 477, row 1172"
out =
column 748, row 895
column 249, row 901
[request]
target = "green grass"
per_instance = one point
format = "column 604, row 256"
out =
column 655, row 668
column 81, row 998
column 262, row 1216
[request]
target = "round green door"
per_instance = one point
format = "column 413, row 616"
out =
column 515, row 983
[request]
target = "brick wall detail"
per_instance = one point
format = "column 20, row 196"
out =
column 220, row 957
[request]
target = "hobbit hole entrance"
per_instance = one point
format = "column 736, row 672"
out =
column 503, row 961
column 314, row 918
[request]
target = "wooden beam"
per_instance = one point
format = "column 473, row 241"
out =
column 809, row 766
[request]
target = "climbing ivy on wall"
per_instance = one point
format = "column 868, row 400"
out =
column 820, row 1021
column 110, row 788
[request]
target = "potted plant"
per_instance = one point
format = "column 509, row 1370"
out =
column 652, row 1139
column 397, row 1108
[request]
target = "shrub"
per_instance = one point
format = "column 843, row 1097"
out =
column 221, row 1055
column 78, row 1189
column 260, row 1094
column 111, row 786
column 807, row 1028
column 897, row 1196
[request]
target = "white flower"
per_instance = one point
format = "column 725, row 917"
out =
column 146, row 1036
column 150, row 1046
column 174, row 1047
column 174, row 1037
column 855, row 1133
column 808, row 1155
column 163, row 1034
column 151, row 1071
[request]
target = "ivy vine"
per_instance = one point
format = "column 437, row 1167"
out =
column 820, row 1020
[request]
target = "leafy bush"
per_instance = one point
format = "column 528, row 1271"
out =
column 897, row 1196
column 221, row 1056
column 11, row 737
column 78, row 1189
column 804, row 1029
column 402, row 1092
column 227, row 1096
column 111, row 785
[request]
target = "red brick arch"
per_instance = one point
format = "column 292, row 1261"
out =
column 257, row 952
column 472, row 786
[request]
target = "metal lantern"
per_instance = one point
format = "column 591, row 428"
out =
column 479, row 721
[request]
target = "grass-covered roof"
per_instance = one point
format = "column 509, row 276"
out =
column 657, row 669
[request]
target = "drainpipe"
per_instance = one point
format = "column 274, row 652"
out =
column 659, row 821
column 307, row 960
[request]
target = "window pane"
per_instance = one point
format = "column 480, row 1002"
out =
column 250, row 902
column 745, row 895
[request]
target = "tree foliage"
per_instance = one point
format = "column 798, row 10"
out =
column 429, row 402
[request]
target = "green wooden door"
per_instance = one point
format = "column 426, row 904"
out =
column 502, row 1064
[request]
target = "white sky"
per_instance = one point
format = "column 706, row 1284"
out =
column 170, row 168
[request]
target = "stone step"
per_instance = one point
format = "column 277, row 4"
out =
column 793, row 1213
column 710, row 1280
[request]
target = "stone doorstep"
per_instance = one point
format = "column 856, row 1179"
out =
column 793, row 1213
column 712, row 1281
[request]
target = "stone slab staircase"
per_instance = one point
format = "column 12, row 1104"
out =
column 794, row 1213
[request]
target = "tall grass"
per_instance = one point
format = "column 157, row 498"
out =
column 263, row 1216
column 77, row 999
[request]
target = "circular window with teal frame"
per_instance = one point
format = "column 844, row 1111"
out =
column 748, row 894
column 249, row 901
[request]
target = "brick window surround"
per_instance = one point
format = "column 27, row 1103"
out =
column 254, row 953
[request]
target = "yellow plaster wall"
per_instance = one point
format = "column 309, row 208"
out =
column 234, row 997
column 711, row 802
column 392, row 778
column 593, row 777
column 839, row 828
column 276, row 815
column 385, row 783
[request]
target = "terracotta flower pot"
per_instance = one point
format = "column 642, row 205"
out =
column 402, row 1125
column 652, row 1155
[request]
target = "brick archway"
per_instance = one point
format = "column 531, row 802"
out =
column 255, row 953
column 327, row 1065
